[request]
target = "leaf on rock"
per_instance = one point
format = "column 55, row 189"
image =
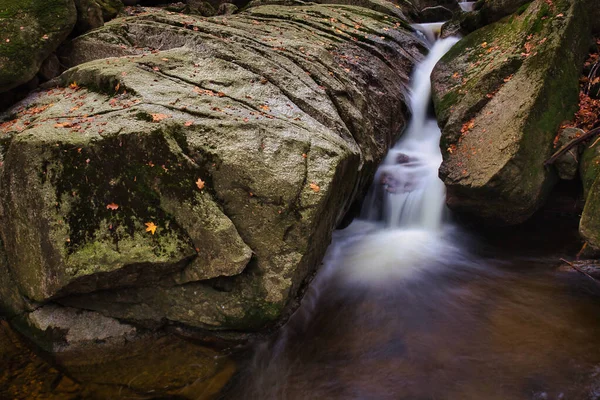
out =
column 315, row 188
column 151, row 227
column 112, row 206
column 200, row 184
column 159, row 117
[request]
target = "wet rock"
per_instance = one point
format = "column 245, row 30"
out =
column 61, row 329
column 89, row 16
column 435, row 14
column 567, row 165
column 227, row 9
column 451, row 5
column 50, row 68
column 589, row 170
column 201, row 7
column 176, row 183
column 494, row 10
column 31, row 32
column 500, row 95
column 92, row 14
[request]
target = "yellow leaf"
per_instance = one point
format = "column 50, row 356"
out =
column 151, row 227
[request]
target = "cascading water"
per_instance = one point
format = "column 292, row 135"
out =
column 407, row 192
column 400, row 309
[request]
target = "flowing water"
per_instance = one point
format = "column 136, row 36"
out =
column 406, row 306
column 467, row 5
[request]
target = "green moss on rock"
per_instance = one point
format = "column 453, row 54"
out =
column 31, row 30
column 501, row 94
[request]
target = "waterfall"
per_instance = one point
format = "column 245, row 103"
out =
column 402, row 221
column 407, row 192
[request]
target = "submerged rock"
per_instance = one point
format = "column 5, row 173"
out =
column 500, row 95
column 195, row 176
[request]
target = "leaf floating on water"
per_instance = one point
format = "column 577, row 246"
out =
column 315, row 188
column 112, row 206
column 200, row 184
column 151, row 227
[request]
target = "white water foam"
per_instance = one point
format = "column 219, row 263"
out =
column 406, row 200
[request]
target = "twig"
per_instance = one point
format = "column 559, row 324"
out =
column 572, row 144
column 576, row 268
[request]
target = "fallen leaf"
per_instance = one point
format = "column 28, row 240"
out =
column 151, row 227
column 112, row 206
column 315, row 188
column 467, row 126
column 159, row 117
column 74, row 85
column 189, row 123
column 200, row 184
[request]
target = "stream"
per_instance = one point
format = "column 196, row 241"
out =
column 409, row 306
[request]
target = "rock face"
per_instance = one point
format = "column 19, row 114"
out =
column 197, row 178
column 32, row 30
column 567, row 165
column 589, row 225
column 500, row 95
column 93, row 14
column 494, row 10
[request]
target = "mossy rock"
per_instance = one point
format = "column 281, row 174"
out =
column 244, row 139
column 31, row 31
column 500, row 95
column 589, row 225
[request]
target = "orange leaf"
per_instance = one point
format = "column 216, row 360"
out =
column 189, row 123
column 112, row 206
column 315, row 188
column 151, row 227
column 200, row 184
column 159, row 117
column 74, row 86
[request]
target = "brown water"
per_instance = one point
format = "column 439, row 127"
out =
column 477, row 329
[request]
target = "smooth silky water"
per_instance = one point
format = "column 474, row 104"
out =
column 406, row 306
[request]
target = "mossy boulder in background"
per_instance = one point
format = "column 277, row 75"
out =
column 31, row 31
column 500, row 95
column 92, row 14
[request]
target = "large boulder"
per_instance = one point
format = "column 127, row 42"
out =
column 500, row 95
column 31, row 31
column 195, row 176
